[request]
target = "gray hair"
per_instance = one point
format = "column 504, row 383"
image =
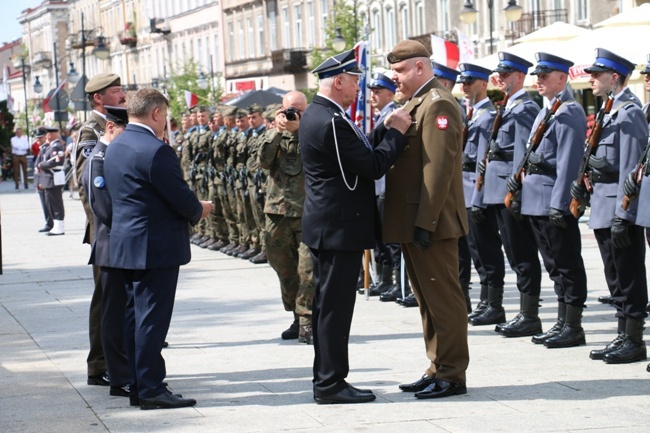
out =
column 144, row 101
column 326, row 83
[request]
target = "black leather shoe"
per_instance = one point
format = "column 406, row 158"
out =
column 121, row 391
column 524, row 327
column 418, row 385
column 166, row 400
column 441, row 388
column 569, row 336
column 45, row 229
column 391, row 295
column 409, row 301
column 292, row 332
column 480, row 309
column 605, row 299
column 165, row 344
column 630, row 351
column 541, row 338
column 509, row 323
column 259, row 258
column 345, row 396
column 598, row 354
column 491, row 316
column 100, row 379
column 252, row 252
column 135, row 401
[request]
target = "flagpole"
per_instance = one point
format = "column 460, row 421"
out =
column 22, row 63
column 56, row 77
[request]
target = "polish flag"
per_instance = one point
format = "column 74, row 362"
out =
column 444, row 52
column 191, row 99
column 466, row 47
column 52, row 95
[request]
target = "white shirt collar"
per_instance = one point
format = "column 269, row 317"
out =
column 142, row 125
column 422, row 86
column 99, row 113
column 332, row 101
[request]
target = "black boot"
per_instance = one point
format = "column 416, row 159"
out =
column 291, row 333
column 515, row 319
column 386, row 283
column 598, row 354
column 482, row 304
column 572, row 333
column 396, row 292
column 555, row 329
column 494, row 313
column 633, row 348
column 468, row 302
column 360, row 282
column 528, row 323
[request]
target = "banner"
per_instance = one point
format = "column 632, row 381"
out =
column 191, row 99
column 360, row 110
column 444, row 52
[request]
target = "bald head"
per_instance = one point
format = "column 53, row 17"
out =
column 295, row 99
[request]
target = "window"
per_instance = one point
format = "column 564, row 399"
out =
column 286, row 42
column 240, row 40
column 443, row 16
column 199, row 54
column 583, row 10
column 377, row 30
column 251, row 37
column 260, row 32
column 311, row 35
column 324, row 9
column 390, row 28
column 297, row 19
column 273, row 31
column 419, row 18
column 404, row 18
column 231, row 42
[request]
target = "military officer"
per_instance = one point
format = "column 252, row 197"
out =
column 39, row 135
column 620, row 239
column 51, row 162
column 216, row 165
column 101, row 90
column 200, row 142
column 279, row 153
column 545, row 199
column 482, row 245
column 505, row 153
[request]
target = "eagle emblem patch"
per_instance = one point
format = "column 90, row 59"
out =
column 442, row 122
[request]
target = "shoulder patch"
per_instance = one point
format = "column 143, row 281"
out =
column 435, row 94
column 99, row 182
column 87, row 143
column 86, row 150
column 442, row 122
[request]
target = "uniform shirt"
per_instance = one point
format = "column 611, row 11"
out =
column 479, row 129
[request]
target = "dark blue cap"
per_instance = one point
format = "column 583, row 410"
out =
column 344, row 62
column 380, row 80
column 116, row 114
column 442, row 71
column 511, row 63
column 470, row 72
column 647, row 66
column 548, row 63
column 606, row 61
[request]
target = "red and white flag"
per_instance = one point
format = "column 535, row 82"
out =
column 47, row 99
column 445, row 52
column 466, row 48
column 191, row 99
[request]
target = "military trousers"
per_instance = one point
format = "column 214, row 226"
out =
column 217, row 228
column 291, row 260
column 245, row 220
column 257, row 209
column 227, row 211
column 487, row 241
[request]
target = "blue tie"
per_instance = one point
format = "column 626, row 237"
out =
column 357, row 131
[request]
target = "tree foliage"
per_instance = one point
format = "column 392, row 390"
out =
column 6, row 125
column 341, row 17
column 184, row 77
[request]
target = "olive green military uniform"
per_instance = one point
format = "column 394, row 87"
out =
column 217, row 228
column 285, row 194
column 200, row 141
column 187, row 156
column 257, row 182
column 227, row 145
column 248, row 235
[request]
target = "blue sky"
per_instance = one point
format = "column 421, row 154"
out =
column 11, row 9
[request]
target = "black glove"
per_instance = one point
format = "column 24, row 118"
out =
column 620, row 233
column 515, row 209
column 480, row 167
column 478, row 214
column 630, row 187
column 557, row 218
column 422, row 238
column 577, row 191
column 512, row 184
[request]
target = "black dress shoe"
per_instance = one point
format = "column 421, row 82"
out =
column 166, row 400
column 345, row 396
column 121, row 391
column 598, row 354
column 165, row 344
column 569, row 336
column 45, row 229
column 605, row 299
column 541, row 338
column 292, row 332
column 441, row 388
column 491, row 316
column 418, row 385
column 524, row 327
column 391, row 295
column 100, row 379
column 480, row 308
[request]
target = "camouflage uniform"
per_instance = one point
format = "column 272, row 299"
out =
column 187, row 156
column 200, row 142
column 217, row 228
column 226, row 146
column 248, row 235
column 257, row 182
column 285, row 195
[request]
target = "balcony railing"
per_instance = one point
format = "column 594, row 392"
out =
column 293, row 60
column 531, row 21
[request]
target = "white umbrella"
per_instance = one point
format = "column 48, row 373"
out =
column 558, row 31
column 635, row 16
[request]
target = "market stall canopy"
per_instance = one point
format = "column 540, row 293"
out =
column 261, row 97
column 631, row 17
column 558, row 31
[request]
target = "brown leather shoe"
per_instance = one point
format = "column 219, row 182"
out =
column 259, row 258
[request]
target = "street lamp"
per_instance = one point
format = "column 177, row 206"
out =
column 38, row 87
column 73, row 75
column 24, row 68
column 469, row 14
column 202, row 82
column 101, row 51
column 338, row 43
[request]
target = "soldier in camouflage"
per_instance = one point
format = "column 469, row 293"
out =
column 225, row 149
column 217, row 228
column 200, row 142
column 101, row 90
column 288, row 256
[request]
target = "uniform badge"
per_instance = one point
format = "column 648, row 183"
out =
column 442, row 122
column 99, row 182
column 86, row 151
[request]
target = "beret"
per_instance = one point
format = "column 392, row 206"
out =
column 102, row 81
column 407, row 49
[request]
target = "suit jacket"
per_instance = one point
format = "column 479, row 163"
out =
column 49, row 162
column 622, row 141
column 559, row 154
column 511, row 141
column 336, row 217
column 152, row 205
column 479, row 130
column 94, row 185
column 425, row 186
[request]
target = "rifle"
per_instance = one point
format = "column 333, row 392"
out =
column 531, row 146
column 577, row 206
column 493, row 137
column 638, row 176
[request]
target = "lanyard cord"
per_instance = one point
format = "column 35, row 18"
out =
column 338, row 157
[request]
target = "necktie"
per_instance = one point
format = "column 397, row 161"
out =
column 357, row 131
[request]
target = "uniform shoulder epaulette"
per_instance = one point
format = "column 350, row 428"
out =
column 435, row 94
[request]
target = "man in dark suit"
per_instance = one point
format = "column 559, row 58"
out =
column 425, row 212
column 152, row 210
column 340, row 215
column 113, row 300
